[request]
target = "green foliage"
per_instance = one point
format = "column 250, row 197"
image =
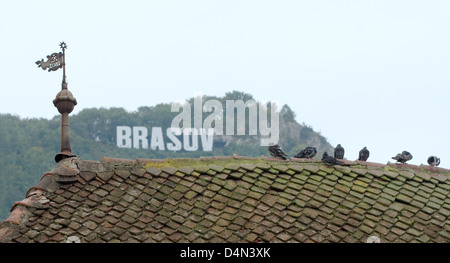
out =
column 28, row 146
column 27, row 150
column 287, row 113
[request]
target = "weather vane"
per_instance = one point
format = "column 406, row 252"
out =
column 64, row 101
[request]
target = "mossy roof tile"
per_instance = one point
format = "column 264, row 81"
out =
column 423, row 176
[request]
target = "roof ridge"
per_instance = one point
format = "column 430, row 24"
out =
column 290, row 160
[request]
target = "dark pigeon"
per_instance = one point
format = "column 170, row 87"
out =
column 308, row 152
column 403, row 157
column 275, row 151
column 433, row 161
column 330, row 160
column 364, row 154
column 339, row 152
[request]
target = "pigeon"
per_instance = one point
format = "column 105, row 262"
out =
column 308, row 152
column 403, row 157
column 275, row 151
column 433, row 161
column 330, row 160
column 364, row 154
column 339, row 152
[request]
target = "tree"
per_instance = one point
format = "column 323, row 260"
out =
column 287, row 113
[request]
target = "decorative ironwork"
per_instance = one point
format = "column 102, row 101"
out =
column 53, row 63
column 63, row 45
column 64, row 101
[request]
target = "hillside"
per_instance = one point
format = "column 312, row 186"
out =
column 28, row 146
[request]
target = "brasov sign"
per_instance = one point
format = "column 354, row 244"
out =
column 201, row 129
column 137, row 137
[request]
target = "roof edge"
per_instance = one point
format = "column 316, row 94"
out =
column 35, row 199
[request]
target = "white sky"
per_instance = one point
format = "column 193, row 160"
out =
column 363, row 73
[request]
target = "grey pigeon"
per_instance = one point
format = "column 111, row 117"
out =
column 339, row 152
column 433, row 161
column 364, row 154
column 308, row 152
column 275, row 151
column 403, row 157
column 330, row 160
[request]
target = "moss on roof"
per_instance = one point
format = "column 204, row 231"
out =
column 232, row 199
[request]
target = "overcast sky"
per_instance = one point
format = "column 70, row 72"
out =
column 363, row 73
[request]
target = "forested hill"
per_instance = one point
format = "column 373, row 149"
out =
column 28, row 146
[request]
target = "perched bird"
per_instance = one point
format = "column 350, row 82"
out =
column 330, row 160
column 308, row 152
column 339, row 152
column 403, row 157
column 433, row 161
column 364, row 154
column 275, row 151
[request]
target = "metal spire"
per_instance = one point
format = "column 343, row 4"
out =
column 64, row 101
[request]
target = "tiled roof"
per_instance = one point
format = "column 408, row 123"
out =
column 232, row 199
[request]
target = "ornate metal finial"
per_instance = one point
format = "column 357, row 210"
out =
column 63, row 45
column 64, row 101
